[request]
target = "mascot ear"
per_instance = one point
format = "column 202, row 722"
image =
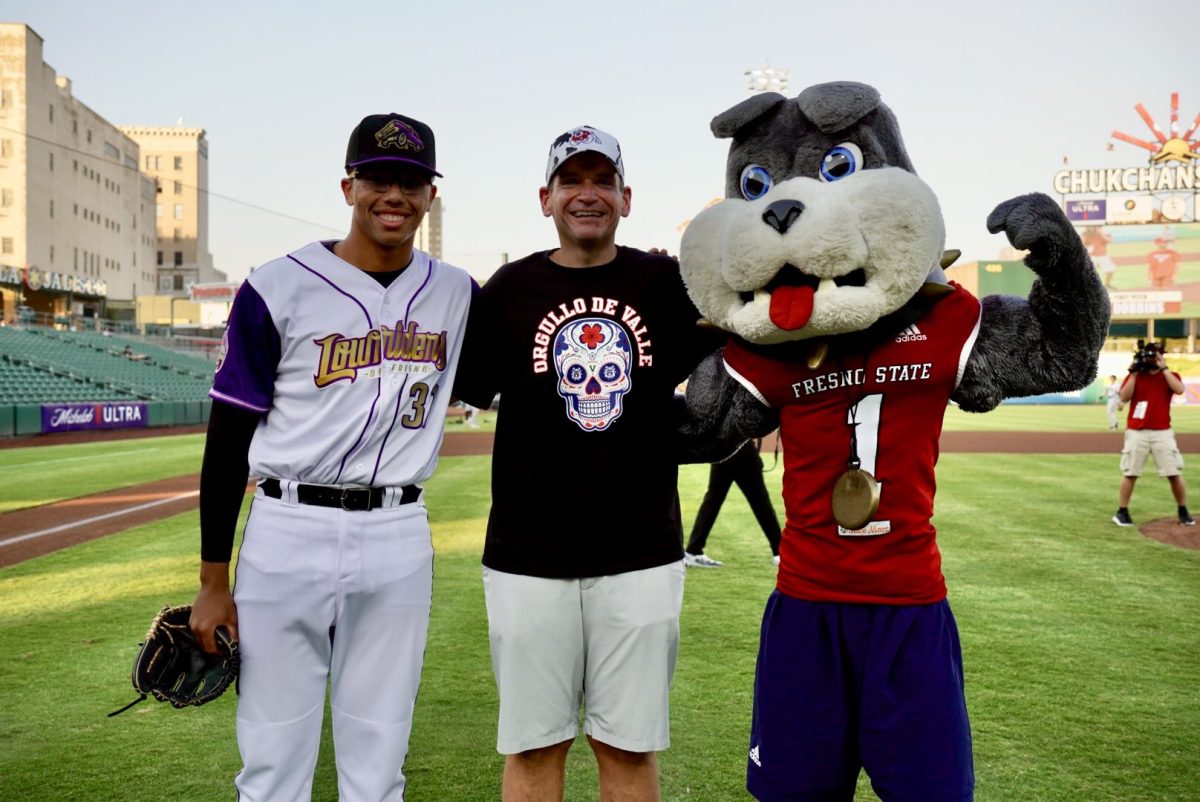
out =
column 836, row 106
column 728, row 123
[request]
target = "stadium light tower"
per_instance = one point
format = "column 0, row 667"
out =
column 768, row 79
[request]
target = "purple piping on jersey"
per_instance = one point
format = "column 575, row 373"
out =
column 370, row 323
column 400, row 395
column 228, row 399
column 378, row 386
column 363, row 433
column 391, row 428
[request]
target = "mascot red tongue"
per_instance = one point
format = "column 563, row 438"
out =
column 791, row 307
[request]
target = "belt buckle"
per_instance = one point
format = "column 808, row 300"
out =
column 351, row 493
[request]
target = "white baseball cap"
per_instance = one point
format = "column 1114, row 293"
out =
column 580, row 140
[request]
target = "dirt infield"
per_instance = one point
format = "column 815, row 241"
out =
column 41, row 530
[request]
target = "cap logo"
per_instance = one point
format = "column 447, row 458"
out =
column 397, row 134
column 580, row 135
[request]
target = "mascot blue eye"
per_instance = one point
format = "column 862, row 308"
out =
column 755, row 182
column 841, row 161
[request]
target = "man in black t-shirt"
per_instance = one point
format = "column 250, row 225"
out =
column 583, row 567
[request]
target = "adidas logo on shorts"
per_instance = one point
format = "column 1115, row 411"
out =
column 754, row 756
column 911, row 334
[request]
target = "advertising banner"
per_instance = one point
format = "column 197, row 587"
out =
column 1131, row 209
column 103, row 415
column 1093, row 210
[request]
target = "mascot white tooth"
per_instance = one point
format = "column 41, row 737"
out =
column 824, row 263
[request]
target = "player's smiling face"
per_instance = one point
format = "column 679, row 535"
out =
column 389, row 204
column 587, row 199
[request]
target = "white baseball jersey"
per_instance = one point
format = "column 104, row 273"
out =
column 353, row 377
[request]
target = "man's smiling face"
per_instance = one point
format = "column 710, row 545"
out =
column 587, row 199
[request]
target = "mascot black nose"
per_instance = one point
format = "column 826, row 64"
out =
column 782, row 213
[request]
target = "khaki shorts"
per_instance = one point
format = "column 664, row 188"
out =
column 1141, row 443
column 609, row 642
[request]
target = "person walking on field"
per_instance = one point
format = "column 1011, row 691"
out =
column 745, row 468
column 1112, row 401
column 1148, row 390
column 334, row 577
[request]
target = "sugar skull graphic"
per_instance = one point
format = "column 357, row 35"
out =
column 593, row 357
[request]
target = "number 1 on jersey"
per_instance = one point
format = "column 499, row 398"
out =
column 864, row 416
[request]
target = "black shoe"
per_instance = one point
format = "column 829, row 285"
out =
column 1122, row 518
column 1185, row 518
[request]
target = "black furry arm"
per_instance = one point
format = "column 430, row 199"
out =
column 718, row 414
column 1050, row 341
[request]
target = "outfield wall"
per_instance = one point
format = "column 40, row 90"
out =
column 26, row 419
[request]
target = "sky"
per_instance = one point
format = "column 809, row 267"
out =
column 991, row 98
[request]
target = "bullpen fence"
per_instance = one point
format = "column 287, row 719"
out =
column 26, row 419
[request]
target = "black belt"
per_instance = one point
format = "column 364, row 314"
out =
column 347, row 498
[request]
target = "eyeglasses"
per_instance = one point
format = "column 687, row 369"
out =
column 408, row 184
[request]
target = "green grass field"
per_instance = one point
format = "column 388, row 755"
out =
column 1081, row 644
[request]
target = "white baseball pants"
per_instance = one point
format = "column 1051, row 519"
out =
column 329, row 596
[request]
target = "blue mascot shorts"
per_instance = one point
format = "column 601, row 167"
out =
column 844, row 687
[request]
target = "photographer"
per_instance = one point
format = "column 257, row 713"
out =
column 1147, row 390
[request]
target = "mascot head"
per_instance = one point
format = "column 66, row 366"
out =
column 825, row 228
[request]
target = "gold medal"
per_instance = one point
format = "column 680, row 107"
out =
column 855, row 499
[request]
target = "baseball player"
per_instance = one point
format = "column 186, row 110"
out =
column 332, row 387
column 585, row 343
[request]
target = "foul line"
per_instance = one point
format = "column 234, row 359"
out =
column 94, row 519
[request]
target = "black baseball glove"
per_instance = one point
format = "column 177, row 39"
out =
column 171, row 666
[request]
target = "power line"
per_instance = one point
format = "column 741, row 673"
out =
column 138, row 170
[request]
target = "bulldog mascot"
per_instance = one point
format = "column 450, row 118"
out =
column 825, row 264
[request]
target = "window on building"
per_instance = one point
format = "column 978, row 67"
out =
column 178, row 234
column 89, row 136
column 6, row 245
column 158, row 210
column 74, row 126
column 76, row 161
column 5, row 98
column 51, row 161
column 77, row 210
column 51, row 208
column 76, row 259
column 160, row 257
column 51, row 112
column 178, row 282
column 178, row 162
column 6, row 197
column 5, row 148
column 179, row 211
column 51, row 254
column 179, row 258
column 178, row 187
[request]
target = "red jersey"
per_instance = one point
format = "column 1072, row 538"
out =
column 1150, row 406
column 1162, row 265
column 895, row 394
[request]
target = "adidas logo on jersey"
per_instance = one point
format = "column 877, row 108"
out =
column 911, row 334
column 754, row 756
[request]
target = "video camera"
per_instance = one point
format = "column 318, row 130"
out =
column 1145, row 357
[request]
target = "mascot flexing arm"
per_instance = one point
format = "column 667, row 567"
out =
column 825, row 262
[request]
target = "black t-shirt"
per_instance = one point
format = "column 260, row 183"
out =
column 586, row 361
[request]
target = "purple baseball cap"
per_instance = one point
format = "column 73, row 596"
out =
column 391, row 138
